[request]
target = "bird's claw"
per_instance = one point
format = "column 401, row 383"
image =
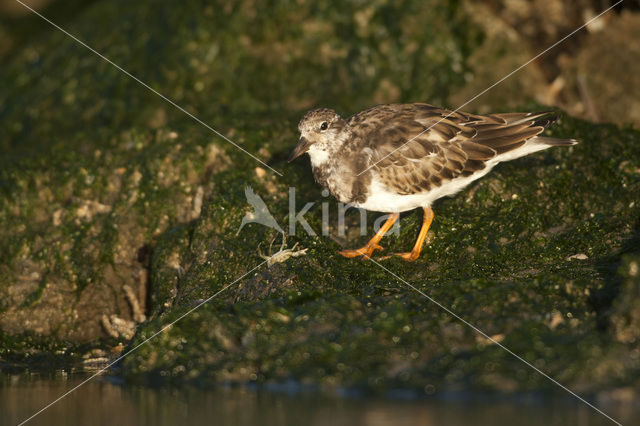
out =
column 365, row 251
column 409, row 256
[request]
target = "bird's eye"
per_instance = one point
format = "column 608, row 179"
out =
column 324, row 126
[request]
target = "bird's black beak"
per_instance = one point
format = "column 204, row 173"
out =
column 301, row 148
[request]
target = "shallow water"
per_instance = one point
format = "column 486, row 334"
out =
column 103, row 402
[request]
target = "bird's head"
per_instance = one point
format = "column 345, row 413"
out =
column 322, row 132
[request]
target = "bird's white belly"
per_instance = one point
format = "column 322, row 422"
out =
column 382, row 199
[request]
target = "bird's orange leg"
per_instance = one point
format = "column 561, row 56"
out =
column 372, row 245
column 417, row 248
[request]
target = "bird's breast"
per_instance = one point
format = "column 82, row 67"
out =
column 343, row 182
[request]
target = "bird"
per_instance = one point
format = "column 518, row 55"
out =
column 260, row 213
column 394, row 158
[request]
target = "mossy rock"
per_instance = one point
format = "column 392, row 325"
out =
column 529, row 255
column 106, row 187
column 101, row 179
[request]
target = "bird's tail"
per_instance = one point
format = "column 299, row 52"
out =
column 546, row 119
column 554, row 141
column 520, row 135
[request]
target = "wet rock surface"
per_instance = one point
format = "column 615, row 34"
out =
column 119, row 213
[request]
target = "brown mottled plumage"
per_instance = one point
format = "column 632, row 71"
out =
column 393, row 158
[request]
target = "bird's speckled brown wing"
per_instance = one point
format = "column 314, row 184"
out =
column 457, row 146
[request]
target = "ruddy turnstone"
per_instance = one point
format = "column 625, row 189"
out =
column 398, row 157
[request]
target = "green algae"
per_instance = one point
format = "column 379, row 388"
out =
column 101, row 181
column 502, row 258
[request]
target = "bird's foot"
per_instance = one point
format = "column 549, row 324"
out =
column 409, row 256
column 365, row 251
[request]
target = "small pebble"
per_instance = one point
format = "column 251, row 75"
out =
column 579, row 256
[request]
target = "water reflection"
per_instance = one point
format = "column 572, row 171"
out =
column 103, row 402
